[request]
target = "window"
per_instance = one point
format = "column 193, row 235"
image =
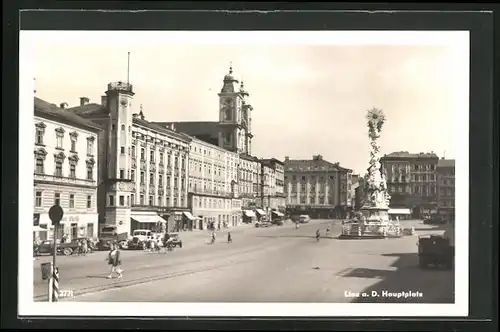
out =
column 122, row 198
column 151, row 200
column 175, row 184
column 183, row 163
column 160, row 200
column 142, row 178
column 176, row 163
column 152, row 156
column 123, row 127
column 71, row 201
column 59, row 140
column 57, row 199
column 182, row 183
column 175, row 201
column 39, row 166
column 151, row 178
column 168, row 182
column 133, row 151
column 59, row 166
column 168, row 201
column 160, row 180
column 122, row 174
column 161, row 158
column 113, row 127
column 132, row 199
column 72, row 171
column 38, row 199
column 122, row 150
column 90, row 146
column 141, row 199
column 39, row 136
column 132, row 175
column 90, row 172
column 111, row 200
column 89, row 202
column 73, row 144
column 169, row 161
column 143, row 154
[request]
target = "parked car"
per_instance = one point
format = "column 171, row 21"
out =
column 174, row 240
column 435, row 250
column 304, row 219
column 68, row 248
column 109, row 234
column 140, row 239
column 434, row 219
column 277, row 221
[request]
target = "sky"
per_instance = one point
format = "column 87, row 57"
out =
column 308, row 98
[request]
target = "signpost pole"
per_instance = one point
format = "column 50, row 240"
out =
column 55, row 214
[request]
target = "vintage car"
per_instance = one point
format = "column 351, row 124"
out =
column 277, row 221
column 140, row 239
column 47, row 247
column 304, row 219
column 435, row 250
column 109, row 234
column 173, row 240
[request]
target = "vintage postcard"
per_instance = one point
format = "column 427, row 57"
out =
column 272, row 173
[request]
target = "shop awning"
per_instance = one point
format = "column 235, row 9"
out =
column 279, row 214
column 399, row 211
column 39, row 229
column 188, row 215
column 249, row 213
column 261, row 212
column 142, row 218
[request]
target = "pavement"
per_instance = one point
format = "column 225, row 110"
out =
column 275, row 264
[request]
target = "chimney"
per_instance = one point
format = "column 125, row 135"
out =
column 84, row 101
column 172, row 126
column 63, row 105
column 104, row 100
column 287, row 158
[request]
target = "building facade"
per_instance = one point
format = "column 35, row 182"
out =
column 446, row 188
column 412, row 181
column 317, row 187
column 213, row 190
column 144, row 166
column 272, row 185
column 65, row 171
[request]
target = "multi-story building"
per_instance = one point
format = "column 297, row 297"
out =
column 446, row 188
column 143, row 166
column 352, row 192
column 411, row 181
column 272, row 185
column 317, row 187
column 213, row 190
column 250, row 182
column 65, row 171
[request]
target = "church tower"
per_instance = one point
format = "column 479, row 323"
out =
column 119, row 182
column 234, row 116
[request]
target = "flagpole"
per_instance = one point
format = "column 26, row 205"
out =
column 128, row 67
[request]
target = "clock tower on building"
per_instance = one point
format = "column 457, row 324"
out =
column 234, row 116
column 119, row 182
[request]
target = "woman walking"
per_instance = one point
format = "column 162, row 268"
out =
column 114, row 261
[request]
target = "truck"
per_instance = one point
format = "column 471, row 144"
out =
column 110, row 235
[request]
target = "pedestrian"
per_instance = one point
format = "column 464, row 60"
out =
column 218, row 226
column 84, row 247
column 79, row 248
column 114, row 261
column 229, row 239
column 213, row 238
column 328, row 231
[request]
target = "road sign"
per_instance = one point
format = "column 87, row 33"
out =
column 55, row 214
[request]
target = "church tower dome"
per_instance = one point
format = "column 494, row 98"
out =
column 230, row 83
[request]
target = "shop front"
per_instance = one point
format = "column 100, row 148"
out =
column 146, row 220
column 72, row 226
column 277, row 215
column 249, row 216
column 261, row 214
column 188, row 221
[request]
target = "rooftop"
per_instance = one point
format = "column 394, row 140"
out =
column 317, row 163
column 161, row 129
column 89, row 110
column 406, row 154
column 446, row 163
column 43, row 108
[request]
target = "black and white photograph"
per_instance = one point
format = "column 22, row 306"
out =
column 244, row 173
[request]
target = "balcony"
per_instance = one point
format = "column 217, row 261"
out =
column 214, row 192
column 65, row 180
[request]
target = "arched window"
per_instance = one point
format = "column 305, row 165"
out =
column 123, row 127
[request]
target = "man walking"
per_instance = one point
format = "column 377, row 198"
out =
column 114, row 261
